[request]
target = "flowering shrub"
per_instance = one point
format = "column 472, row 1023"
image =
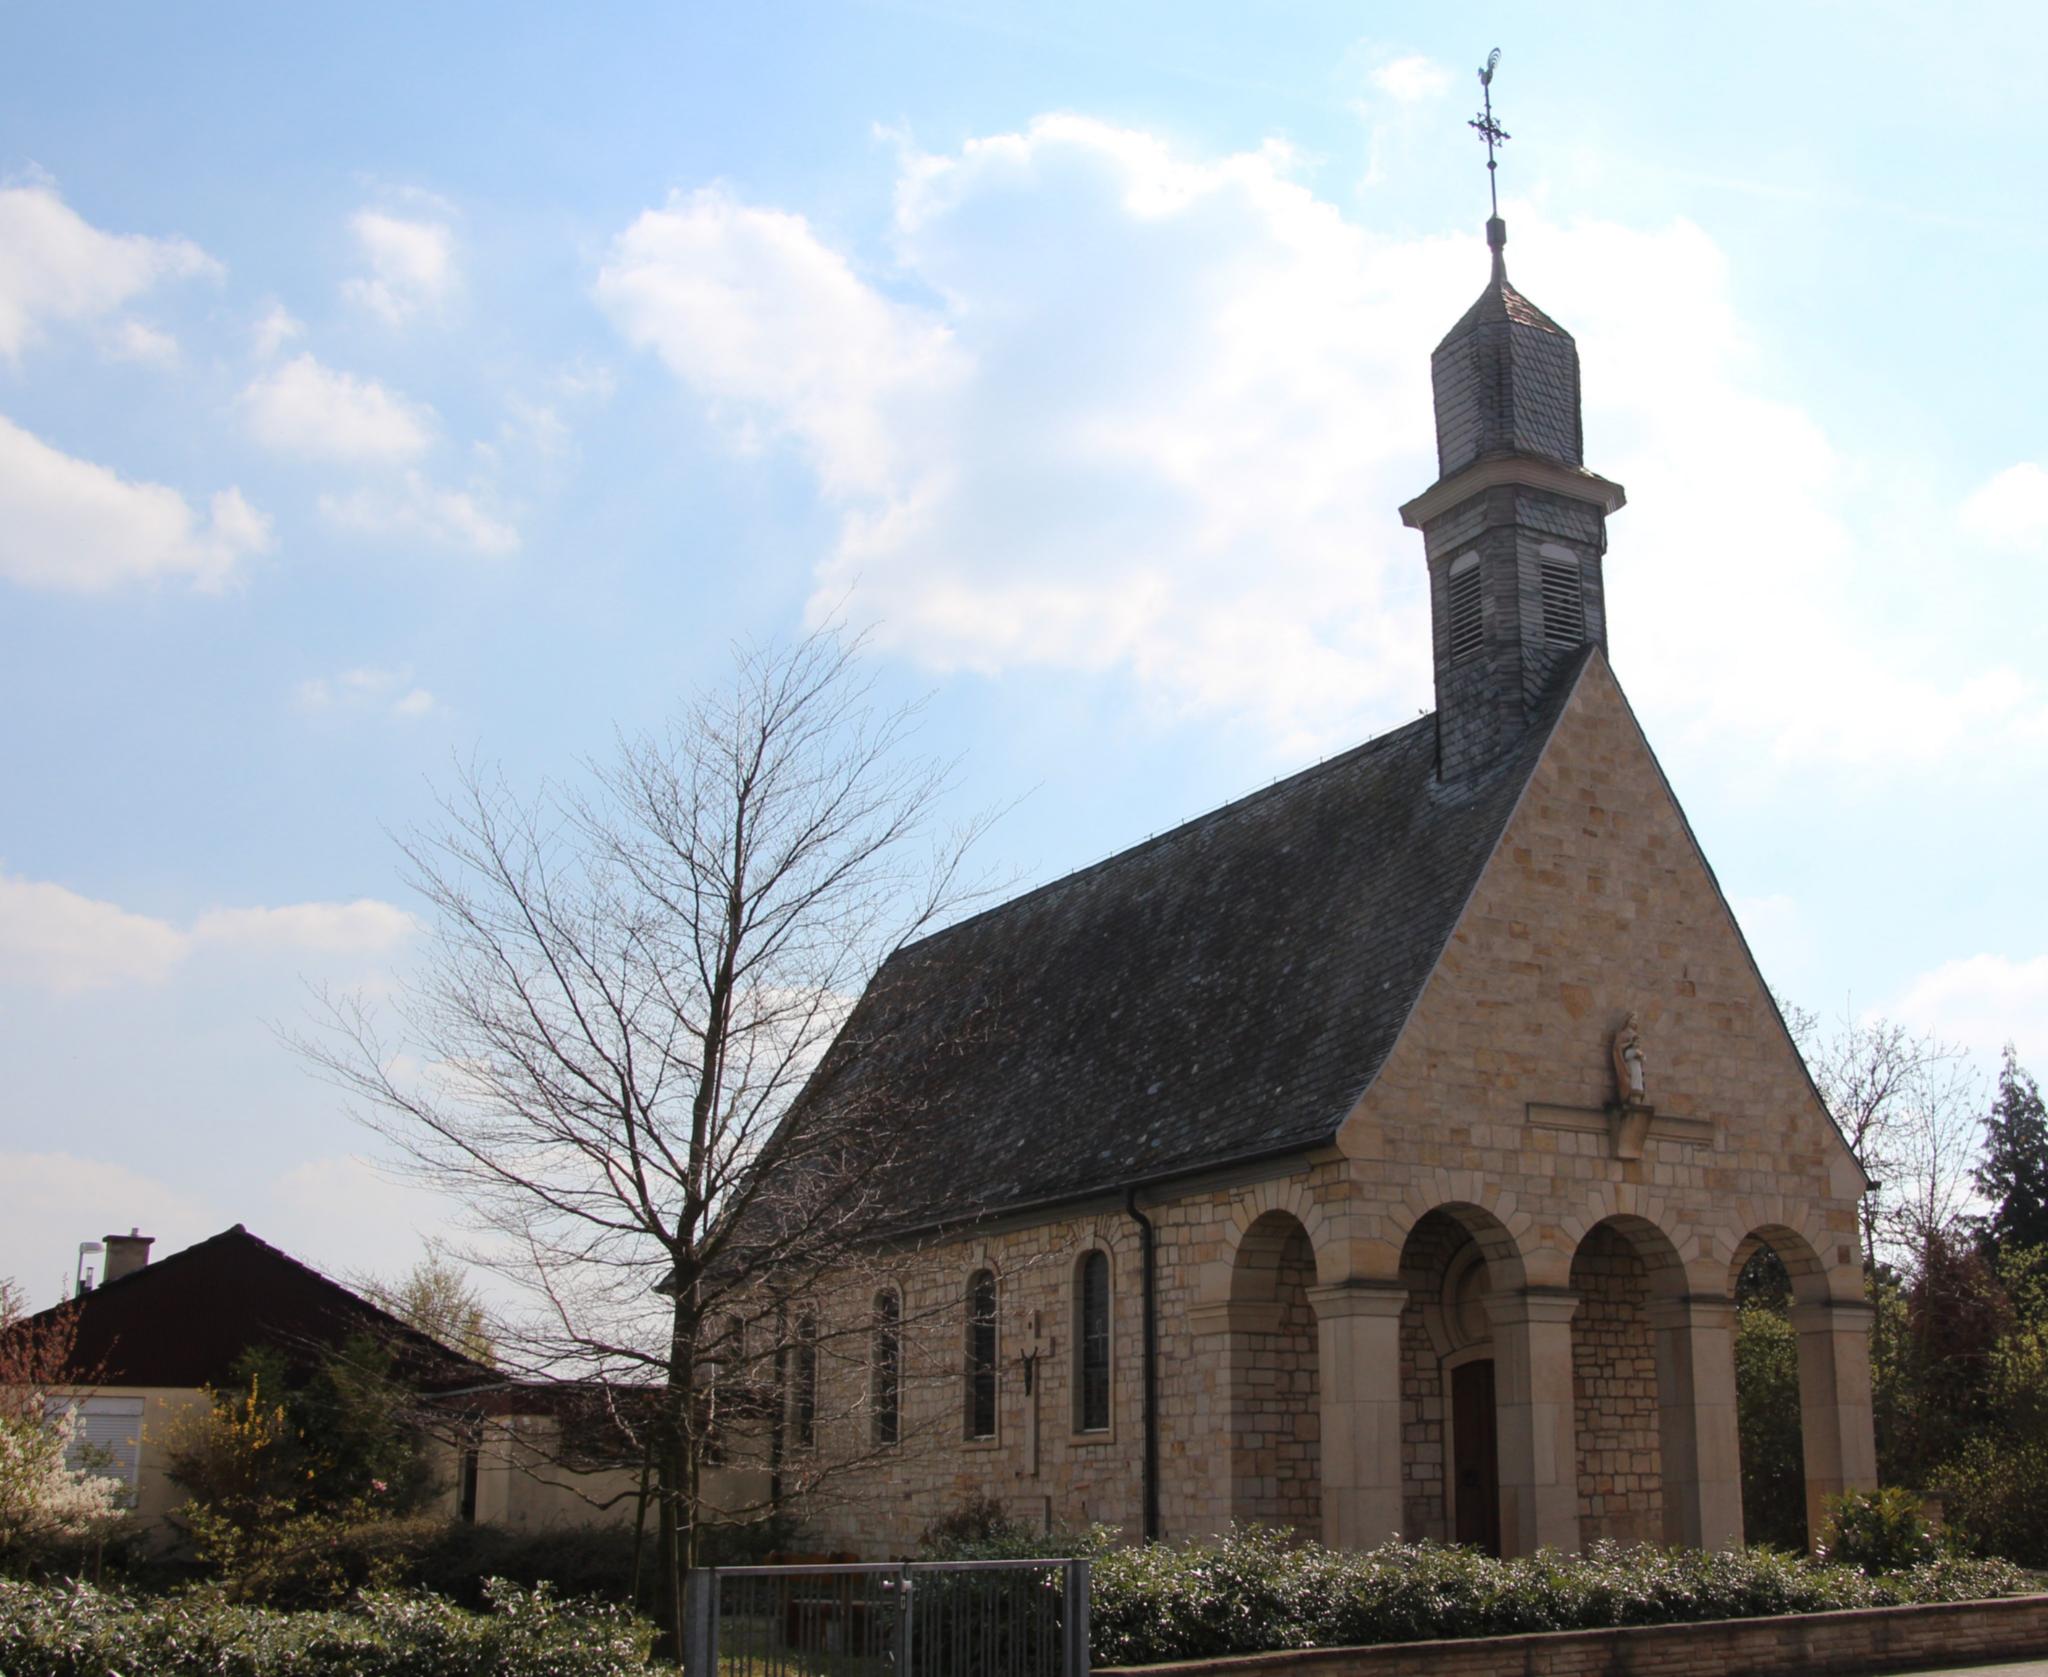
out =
column 43, row 1503
column 77, row 1631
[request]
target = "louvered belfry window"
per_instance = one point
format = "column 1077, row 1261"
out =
column 981, row 1355
column 1564, row 603
column 1092, row 1285
column 1468, row 629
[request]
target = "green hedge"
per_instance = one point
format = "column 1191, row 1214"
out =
column 50, row 1630
column 1259, row 1590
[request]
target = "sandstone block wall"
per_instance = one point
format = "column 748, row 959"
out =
column 1614, row 1392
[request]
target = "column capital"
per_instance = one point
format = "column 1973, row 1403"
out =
column 1692, row 1310
column 1833, row 1316
column 1234, row 1316
column 1532, row 1305
column 1358, row 1298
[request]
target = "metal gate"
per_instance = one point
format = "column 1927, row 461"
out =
column 900, row 1619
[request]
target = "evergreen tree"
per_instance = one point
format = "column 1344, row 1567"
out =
column 2014, row 1174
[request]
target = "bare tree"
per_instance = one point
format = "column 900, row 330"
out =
column 1910, row 1107
column 629, row 983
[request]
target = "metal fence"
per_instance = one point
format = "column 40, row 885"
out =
column 899, row 1619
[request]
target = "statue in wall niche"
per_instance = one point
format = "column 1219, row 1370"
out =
column 1628, row 1064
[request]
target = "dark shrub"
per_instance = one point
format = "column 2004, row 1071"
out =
column 77, row 1631
column 1258, row 1590
column 1878, row 1532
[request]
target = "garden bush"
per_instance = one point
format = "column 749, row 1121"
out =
column 1258, row 1590
column 1878, row 1531
column 51, row 1630
column 1995, row 1493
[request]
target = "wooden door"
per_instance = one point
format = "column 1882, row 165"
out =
column 1475, row 1466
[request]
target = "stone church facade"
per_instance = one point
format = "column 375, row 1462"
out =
column 1376, row 1154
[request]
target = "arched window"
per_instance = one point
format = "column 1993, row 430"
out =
column 981, row 1354
column 886, row 1371
column 803, row 1408
column 1091, row 1340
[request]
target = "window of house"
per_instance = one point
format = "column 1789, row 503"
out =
column 1564, row 601
column 1091, row 1335
column 1464, row 608
column 803, row 1408
column 981, row 1354
column 886, row 1373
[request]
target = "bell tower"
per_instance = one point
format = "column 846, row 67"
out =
column 1515, row 528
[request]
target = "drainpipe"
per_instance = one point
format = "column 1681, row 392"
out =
column 1147, row 1261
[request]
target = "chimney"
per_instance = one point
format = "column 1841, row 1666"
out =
column 126, row 1253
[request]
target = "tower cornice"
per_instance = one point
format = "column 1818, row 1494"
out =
column 1522, row 470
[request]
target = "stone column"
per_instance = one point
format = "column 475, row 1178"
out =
column 1358, row 1363
column 1223, row 1346
column 1697, row 1437
column 1538, row 1439
column 1834, row 1402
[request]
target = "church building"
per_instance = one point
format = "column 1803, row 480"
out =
column 1377, row 1153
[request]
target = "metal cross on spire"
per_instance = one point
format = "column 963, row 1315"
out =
column 1489, row 130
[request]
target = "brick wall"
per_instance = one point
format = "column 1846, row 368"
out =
column 1614, row 1389
column 1871, row 1640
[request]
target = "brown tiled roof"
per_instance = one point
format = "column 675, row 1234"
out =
column 1225, row 990
column 183, row 1320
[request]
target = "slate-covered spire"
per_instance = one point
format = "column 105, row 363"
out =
column 1514, row 527
column 1506, row 378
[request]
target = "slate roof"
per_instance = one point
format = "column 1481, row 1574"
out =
column 1224, row 991
column 183, row 1320
column 1500, row 302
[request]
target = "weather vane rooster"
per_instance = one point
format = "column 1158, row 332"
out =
column 1489, row 130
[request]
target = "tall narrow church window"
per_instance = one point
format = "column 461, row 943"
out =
column 1091, row 1286
column 1564, row 602
column 1467, row 623
column 803, row 1409
column 981, row 1355
column 886, row 1372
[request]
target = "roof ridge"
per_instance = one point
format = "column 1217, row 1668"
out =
column 239, row 1231
column 1243, row 800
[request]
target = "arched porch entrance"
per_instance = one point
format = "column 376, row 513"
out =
column 1273, row 1394
column 1825, row 1340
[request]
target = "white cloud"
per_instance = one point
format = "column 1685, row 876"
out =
column 363, row 927
column 415, row 510
column 276, row 328
column 749, row 306
column 308, row 409
column 71, row 525
column 1984, row 1002
column 1116, row 408
column 1411, row 80
column 412, row 265
column 366, row 689
column 133, row 340
column 56, row 940
column 2011, row 511
column 56, row 266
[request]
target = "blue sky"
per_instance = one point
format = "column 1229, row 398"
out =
column 385, row 385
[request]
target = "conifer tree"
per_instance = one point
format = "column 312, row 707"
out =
column 2014, row 1174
